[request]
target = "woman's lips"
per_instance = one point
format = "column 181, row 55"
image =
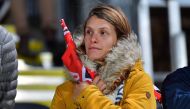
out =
column 94, row 48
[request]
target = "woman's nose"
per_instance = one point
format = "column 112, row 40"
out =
column 94, row 38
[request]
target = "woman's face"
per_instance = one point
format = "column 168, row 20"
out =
column 100, row 37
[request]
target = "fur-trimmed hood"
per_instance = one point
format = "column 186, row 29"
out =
column 119, row 60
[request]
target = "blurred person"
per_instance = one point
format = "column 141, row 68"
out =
column 8, row 70
column 112, row 49
column 176, row 89
column 23, row 27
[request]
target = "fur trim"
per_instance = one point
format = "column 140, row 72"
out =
column 126, row 53
column 87, row 62
column 123, row 56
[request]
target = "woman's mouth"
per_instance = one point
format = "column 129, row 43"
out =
column 94, row 48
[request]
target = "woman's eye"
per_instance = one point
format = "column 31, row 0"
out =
column 88, row 32
column 103, row 33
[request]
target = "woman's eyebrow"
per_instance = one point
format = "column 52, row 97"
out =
column 99, row 27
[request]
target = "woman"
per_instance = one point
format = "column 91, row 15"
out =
column 116, row 56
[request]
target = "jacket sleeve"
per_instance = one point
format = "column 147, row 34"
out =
column 8, row 70
column 62, row 97
column 92, row 98
column 58, row 101
column 138, row 94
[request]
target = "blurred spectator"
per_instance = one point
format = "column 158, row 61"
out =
column 22, row 18
column 4, row 8
column 8, row 70
column 176, row 89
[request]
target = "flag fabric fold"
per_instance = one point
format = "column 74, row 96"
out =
column 72, row 61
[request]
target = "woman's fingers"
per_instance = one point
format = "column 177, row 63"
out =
column 96, row 80
column 102, row 87
column 99, row 83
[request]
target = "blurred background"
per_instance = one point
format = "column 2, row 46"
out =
column 163, row 28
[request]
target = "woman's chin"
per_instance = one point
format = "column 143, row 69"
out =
column 95, row 58
column 92, row 58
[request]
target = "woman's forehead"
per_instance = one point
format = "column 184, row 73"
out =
column 98, row 23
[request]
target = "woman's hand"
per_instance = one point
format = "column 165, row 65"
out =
column 99, row 83
column 82, row 85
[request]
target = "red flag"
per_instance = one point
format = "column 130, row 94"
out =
column 72, row 61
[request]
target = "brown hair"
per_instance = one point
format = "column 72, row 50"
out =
column 112, row 15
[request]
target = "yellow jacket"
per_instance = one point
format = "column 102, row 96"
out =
column 122, row 63
column 138, row 94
